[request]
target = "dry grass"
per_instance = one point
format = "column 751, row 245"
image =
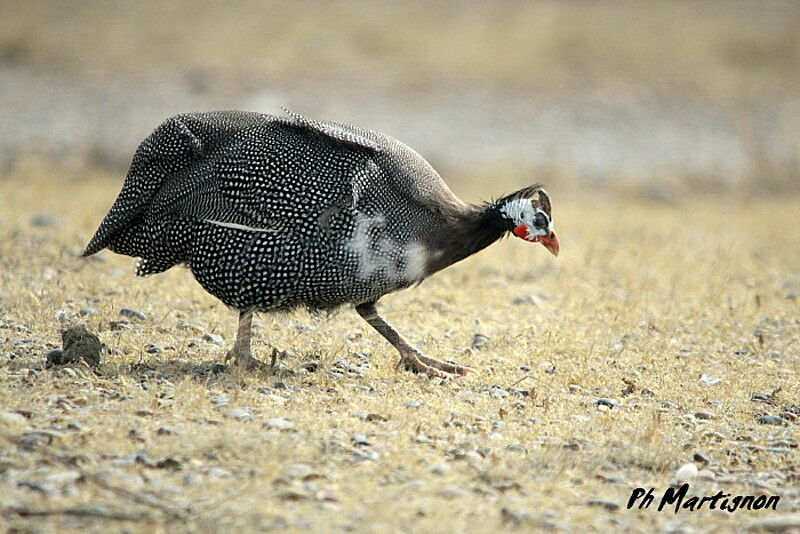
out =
column 647, row 295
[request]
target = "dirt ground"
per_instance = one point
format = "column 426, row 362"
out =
column 662, row 336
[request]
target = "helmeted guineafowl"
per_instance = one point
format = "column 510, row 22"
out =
column 270, row 213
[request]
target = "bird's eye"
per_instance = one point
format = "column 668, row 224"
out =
column 540, row 221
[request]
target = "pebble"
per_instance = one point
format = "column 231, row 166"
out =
column 761, row 396
column 42, row 220
column 279, row 423
column 439, row 469
column 611, row 506
column 686, row 472
column 191, row 480
column 700, row 457
column 186, row 325
column 12, row 419
column 120, row 478
column 574, row 388
column 220, row 401
column 240, row 414
column 311, row 366
column 299, row 471
column 133, row 314
column 770, row 420
column 536, row 300
column 213, row 338
column 784, row 443
column 479, row 341
column 153, row 349
column 603, row 401
column 497, row 392
column 709, row 380
column 452, row 492
column 776, row 523
column 705, row 416
column 361, row 439
column 54, row 357
column 412, row 404
column 88, row 310
column 516, row 447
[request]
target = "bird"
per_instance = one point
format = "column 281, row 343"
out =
column 275, row 212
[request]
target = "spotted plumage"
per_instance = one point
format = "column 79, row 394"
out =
column 271, row 212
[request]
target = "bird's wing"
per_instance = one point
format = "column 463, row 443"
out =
column 331, row 130
column 272, row 176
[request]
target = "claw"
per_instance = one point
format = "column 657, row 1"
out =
column 419, row 363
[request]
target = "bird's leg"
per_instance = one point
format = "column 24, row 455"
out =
column 410, row 356
column 241, row 347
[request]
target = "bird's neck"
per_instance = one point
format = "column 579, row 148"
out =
column 470, row 231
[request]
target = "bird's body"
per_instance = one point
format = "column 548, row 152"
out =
column 272, row 213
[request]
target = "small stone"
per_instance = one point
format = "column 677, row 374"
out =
column 784, row 443
column 361, row 439
column 279, row 423
column 770, row 420
column 439, row 469
column 12, row 419
column 603, row 401
column 611, row 506
column 169, row 462
column 479, row 341
column 213, row 338
column 220, row 401
column 133, row 314
column 312, row 366
column 240, row 414
column 574, row 388
column 191, row 480
column 452, row 492
column 761, row 396
column 709, row 380
column 700, row 457
column 87, row 310
column 648, row 392
column 299, row 471
column 413, row 404
column 777, row 523
column 516, row 447
column 686, row 472
column 705, row 416
column 120, row 478
column 54, row 357
column 42, row 220
column 78, row 345
column 153, row 349
column 497, row 392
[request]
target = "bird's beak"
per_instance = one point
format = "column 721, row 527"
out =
column 550, row 242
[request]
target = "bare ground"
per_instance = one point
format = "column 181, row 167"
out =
column 645, row 300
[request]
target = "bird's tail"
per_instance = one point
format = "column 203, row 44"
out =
column 169, row 149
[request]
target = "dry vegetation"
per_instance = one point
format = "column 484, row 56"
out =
column 644, row 299
column 728, row 49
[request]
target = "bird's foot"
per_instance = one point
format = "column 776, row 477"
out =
column 416, row 362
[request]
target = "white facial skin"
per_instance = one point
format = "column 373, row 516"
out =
column 521, row 211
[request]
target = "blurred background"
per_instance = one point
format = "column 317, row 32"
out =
column 660, row 100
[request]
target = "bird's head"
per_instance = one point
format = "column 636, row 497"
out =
column 528, row 216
